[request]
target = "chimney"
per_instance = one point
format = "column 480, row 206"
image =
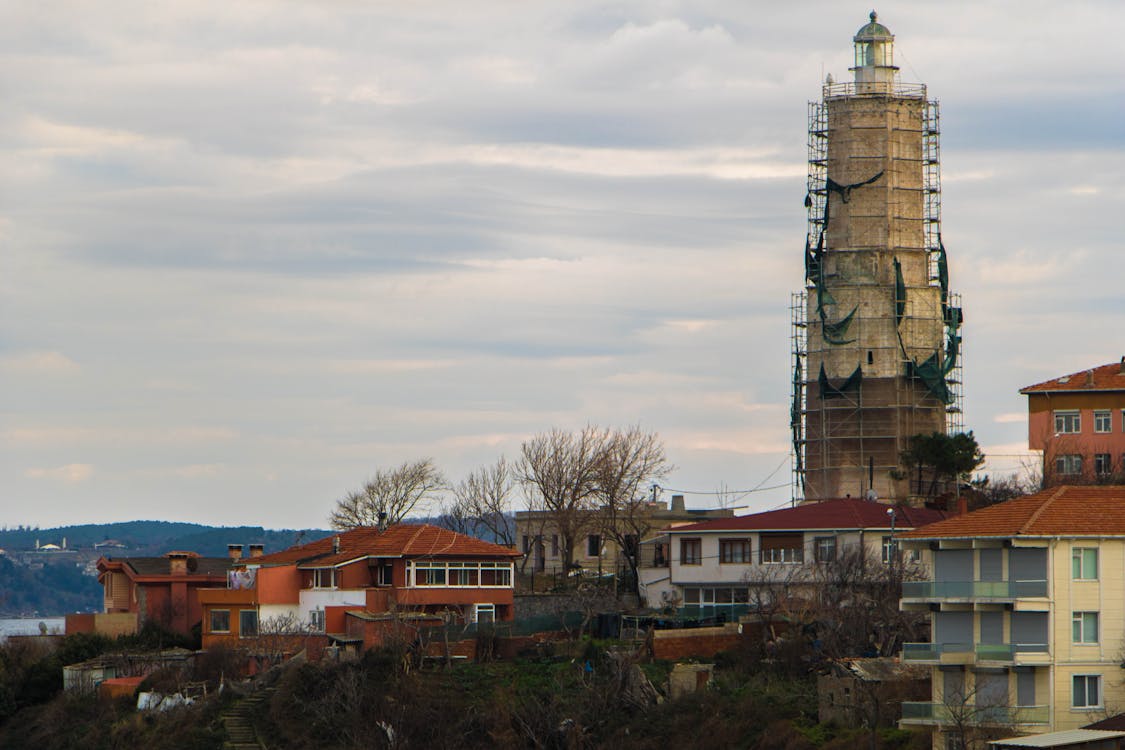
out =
column 1089, row 378
column 1122, row 370
column 336, row 545
column 234, row 551
column 177, row 563
column 382, row 525
column 962, row 506
column 257, row 550
column 678, row 504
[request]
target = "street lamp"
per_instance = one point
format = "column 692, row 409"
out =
column 891, row 551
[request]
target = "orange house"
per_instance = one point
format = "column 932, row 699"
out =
column 1078, row 422
column 161, row 589
column 404, row 571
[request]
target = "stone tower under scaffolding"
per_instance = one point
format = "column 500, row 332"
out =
column 876, row 332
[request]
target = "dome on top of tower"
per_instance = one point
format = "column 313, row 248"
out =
column 873, row 31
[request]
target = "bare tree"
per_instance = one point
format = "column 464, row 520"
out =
column 484, row 497
column 631, row 459
column 393, row 492
column 561, row 470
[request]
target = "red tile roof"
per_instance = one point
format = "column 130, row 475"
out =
column 1109, row 377
column 844, row 513
column 400, row 540
column 1059, row 511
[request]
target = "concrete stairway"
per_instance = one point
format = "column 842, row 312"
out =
column 238, row 721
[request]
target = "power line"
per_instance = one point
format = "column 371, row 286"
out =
column 726, row 492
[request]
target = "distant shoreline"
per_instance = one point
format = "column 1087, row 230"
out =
column 30, row 626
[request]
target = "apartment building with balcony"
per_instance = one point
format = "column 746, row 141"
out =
column 1027, row 615
column 713, row 567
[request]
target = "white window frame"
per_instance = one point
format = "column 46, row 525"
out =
column 1068, row 464
column 1086, row 680
column 318, row 578
column 889, row 546
column 1068, row 422
column 487, row 609
column 316, row 620
column 1080, row 627
column 1103, row 464
column 824, row 549
column 1082, row 568
column 782, row 556
column 438, row 574
column 1103, row 420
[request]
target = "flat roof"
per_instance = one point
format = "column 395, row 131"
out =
column 1058, row 739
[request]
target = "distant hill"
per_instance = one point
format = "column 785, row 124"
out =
column 56, row 583
column 144, row 538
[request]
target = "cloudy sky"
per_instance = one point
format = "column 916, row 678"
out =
column 252, row 251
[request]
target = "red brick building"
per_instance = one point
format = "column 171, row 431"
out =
column 1078, row 422
column 160, row 589
column 355, row 585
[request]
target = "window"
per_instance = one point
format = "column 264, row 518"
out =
column 824, row 548
column 386, row 574
column 1084, row 563
column 429, row 575
column 220, row 621
column 463, row 574
column 460, row 574
column 316, row 620
column 1103, row 464
column 691, row 552
column 1069, row 464
column 248, row 623
column 484, row 613
column 554, row 545
column 1084, row 627
column 782, row 555
column 889, row 545
column 1068, row 422
column 734, row 550
column 324, row 578
column 723, row 596
column 1103, row 421
column 526, row 544
column 782, row 548
column 594, row 545
column 1087, row 691
column 660, row 555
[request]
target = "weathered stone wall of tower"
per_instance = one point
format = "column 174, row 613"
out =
column 854, row 441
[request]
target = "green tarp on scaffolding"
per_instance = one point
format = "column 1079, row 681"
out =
column 827, row 390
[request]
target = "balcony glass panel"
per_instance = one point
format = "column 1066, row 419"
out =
column 972, row 589
column 940, row 713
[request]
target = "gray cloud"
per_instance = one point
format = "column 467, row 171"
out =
column 254, row 252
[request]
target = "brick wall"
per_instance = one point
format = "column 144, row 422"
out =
column 695, row 642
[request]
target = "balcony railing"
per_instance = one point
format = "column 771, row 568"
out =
column 943, row 713
column 973, row 589
column 920, row 652
column 850, row 88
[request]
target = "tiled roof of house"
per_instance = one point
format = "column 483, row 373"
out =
column 400, row 540
column 844, row 513
column 1109, row 377
column 1067, row 511
column 159, row 566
